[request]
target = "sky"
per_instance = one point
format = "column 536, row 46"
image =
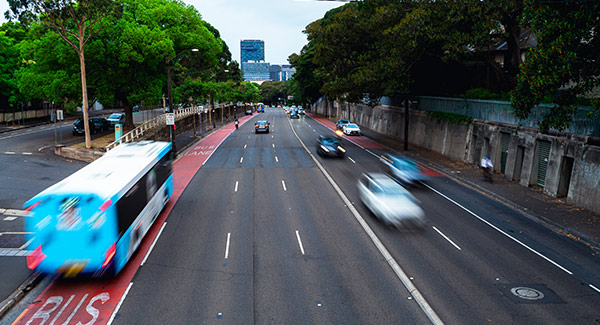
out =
column 277, row 22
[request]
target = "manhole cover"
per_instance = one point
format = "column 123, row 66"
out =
column 527, row 293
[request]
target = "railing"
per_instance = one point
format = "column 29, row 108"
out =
column 152, row 124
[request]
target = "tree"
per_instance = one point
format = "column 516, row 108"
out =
column 564, row 66
column 74, row 21
column 272, row 92
column 9, row 62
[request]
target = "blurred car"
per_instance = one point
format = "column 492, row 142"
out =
column 96, row 124
column 340, row 124
column 294, row 114
column 248, row 111
column 389, row 201
column 351, row 129
column 329, row 146
column 261, row 126
column 301, row 111
column 403, row 169
column 116, row 118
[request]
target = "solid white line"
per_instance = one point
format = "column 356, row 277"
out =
column 369, row 151
column 153, row 243
column 245, row 146
column 500, row 230
column 216, row 147
column 445, row 237
column 352, row 160
column 112, row 317
column 277, row 160
column 423, row 304
column 300, row 242
column 236, row 186
column 593, row 287
column 227, row 245
column 283, row 183
column 9, row 152
column 241, row 159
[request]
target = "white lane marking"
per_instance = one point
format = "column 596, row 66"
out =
column 500, row 230
column 227, row 245
column 277, row 160
column 369, row 151
column 9, row 152
column 271, row 137
column 352, row 160
column 283, row 183
column 26, row 244
column 300, row 242
column 248, row 137
column 245, row 146
column 236, row 186
column 112, row 317
column 446, row 237
column 423, row 304
column 153, row 243
column 45, row 147
column 241, row 159
column 15, row 212
column 27, row 153
column 273, row 145
column 593, row 287
column 10, row 218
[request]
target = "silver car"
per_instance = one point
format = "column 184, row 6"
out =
column 390, row 202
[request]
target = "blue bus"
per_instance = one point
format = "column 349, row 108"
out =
column 92, row 222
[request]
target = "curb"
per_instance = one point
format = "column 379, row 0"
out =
column 19, row 293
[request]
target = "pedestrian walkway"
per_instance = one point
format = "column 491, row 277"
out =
column 555, row 213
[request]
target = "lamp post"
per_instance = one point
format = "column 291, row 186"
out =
column 170, row 95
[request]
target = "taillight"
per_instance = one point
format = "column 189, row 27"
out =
column 105, row 205
column 35, row 258
column 110, row 253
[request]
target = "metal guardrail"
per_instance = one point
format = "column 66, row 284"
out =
column 152, row 124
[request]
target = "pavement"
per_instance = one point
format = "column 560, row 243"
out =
column 554, row 213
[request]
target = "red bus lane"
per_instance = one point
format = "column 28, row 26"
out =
column 93, row 301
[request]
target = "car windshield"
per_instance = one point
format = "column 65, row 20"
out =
column 329, row 141
column 261, row 122
column 352, row 126
column 115, row 116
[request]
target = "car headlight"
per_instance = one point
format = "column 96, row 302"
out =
column 341, row 149
column 324, row 148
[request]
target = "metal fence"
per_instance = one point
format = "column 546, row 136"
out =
column 500, row 111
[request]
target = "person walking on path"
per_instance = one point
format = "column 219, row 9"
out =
column 236, row 123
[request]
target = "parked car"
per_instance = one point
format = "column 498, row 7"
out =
column 390, row 202
column 116, row 118
column 96, row 124
column 351, row 129
column 340, row 124
column 403, row 169
column 261, row 126
column 329, row 146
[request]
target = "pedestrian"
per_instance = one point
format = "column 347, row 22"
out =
column 236, row 123
column 487, row 168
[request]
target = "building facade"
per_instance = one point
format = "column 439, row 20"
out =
column 281, row 72
column 252, row 50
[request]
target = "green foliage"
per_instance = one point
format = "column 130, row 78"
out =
column 273, row 92
column 9, row 61
column 450, row 118
column 485, row 94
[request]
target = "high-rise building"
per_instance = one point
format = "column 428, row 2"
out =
column 252, row 50
column 252, row 55
column 281, row 72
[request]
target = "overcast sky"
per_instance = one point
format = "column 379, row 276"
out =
column 278, row 22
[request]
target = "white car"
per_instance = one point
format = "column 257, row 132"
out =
column 390, row 202
column 351, row 129
column 116, row 118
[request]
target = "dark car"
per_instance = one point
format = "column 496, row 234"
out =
column 340, row 124
column 249, row 111
column 261, row 126
column 294, row 114
column 97, row 124
column 329, row 146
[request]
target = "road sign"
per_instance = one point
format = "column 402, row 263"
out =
column 59, row 114
column 170, row 118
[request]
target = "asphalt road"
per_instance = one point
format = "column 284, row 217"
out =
column 260, row 235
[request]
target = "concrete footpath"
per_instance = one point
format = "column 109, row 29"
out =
column 576, row 223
